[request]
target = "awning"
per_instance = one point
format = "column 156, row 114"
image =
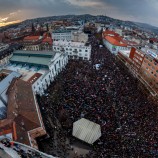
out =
column 86, row 130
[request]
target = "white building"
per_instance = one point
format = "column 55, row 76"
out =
column 79, row 36
column 38, row 67
column 62, row 35
column 114, row 45
column 4, row 54
column 75, row 50
column 3, row 47
column 114, row 42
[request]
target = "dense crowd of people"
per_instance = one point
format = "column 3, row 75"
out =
column 101, row 90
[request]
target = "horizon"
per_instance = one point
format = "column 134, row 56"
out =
column 19, row 10
column 20, row 21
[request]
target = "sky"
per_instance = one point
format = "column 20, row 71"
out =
column 12, row 11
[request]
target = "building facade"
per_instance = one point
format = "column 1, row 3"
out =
column 38, row 67
column 38, row 43
column 114, row 42
column 75, row 50
column 143, row 64
column 79, row 37
column 62, row 35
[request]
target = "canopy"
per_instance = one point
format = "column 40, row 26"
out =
column 86, row 130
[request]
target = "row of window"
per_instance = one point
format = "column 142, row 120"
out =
column 140, row 53
column 70, row 49
column 152, row 71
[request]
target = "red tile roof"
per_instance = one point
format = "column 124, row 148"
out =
column 23, row 113
column 116, row 40
column 47, row 38
column 154, row 40
column 34, row 78
column 109, row 32
column 30, row 38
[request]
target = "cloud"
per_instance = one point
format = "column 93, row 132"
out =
column 85, row 3
column 137, row 10
column 9, row 23
column 3, row 19
column 15, row 13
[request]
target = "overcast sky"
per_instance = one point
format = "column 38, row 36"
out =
column 134, row 10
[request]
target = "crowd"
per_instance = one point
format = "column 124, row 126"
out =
column 108, row 95
column 21, row 151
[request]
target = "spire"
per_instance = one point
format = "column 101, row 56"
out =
column 33, row 28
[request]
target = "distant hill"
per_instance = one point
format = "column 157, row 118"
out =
column 88, row 17
column 147, row 26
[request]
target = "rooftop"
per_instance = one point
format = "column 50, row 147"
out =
column 151, row 52
column 4, row 84
column 30, row 38
column 37, row 58
column 25, row 52
column 62, row 31
column 116, row 40
column 22, row 112
column 66, row 43
column 29, row 74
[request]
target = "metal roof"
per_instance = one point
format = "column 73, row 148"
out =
column 31, row 60
column 26, row 52
column 86, row 130
column 4, row 84
column 33, row 57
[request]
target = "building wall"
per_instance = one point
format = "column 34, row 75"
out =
column 75, row 52
column 113, row 48
column 137, row 58
column 149, row 72
column 62, row 36
column 5, row 60
column 79, row 37
column 32, row 47
column 54, row 69
column 144, row 67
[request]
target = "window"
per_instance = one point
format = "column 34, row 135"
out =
column 149, row 64
column 155, row 63
column 155, row 75
column 157, row 71
column 80, row 50
column 86, row 50
column 86, row 55
column 151, row 72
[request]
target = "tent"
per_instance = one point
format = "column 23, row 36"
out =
column 86, row 130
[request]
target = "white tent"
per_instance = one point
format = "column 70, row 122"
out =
column 86, row 130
